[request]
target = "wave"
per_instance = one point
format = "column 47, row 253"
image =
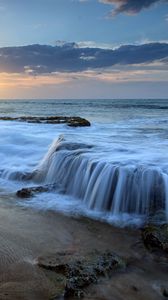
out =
column 104, row 186
column 101, row 186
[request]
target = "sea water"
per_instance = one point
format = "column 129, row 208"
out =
column 116, row 170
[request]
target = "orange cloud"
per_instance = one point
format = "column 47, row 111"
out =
column 25, row 85
column 18, row 85
column 23, row 80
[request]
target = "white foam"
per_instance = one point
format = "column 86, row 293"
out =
column 126, row 144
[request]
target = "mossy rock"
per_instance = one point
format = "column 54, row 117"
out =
column 81, row 271
column 70, row 121
column 77, row 121
column 156, row 237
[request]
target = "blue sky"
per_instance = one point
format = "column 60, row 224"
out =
column 45, row 21
column 101, row 24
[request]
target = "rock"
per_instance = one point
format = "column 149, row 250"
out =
column 77, row 121
column 81, row 271
column 30, row 191
column 165, row 292
column 134, row 288
column 156, row 237
column 70, row 121
column 24, row 193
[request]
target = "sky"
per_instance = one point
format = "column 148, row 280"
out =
column 83, row 49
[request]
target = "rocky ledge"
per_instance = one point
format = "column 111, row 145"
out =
column 73, row 272
column 70, row 121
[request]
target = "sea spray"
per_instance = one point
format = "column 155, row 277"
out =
column 44, row 166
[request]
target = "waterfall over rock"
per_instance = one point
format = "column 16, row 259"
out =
column 103, row 186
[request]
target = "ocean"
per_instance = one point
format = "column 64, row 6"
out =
column 115, row 171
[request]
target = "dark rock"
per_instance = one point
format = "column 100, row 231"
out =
column 70, row 121
column 77, row 121
column 156, row 237
column 24, row 193
column 30, row 191
column 81, row 271
column 134, row 288
column 165, row 292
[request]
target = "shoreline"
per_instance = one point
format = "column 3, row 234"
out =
column 26, row 234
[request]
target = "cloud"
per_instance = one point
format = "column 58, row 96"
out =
column 88, row 84
column 68, row 57
column 25, row 81
column 131, row 6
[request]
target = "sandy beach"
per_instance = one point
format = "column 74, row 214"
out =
column 26, row 234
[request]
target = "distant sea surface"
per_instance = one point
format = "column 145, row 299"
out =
column 127, row 134
column 104, row 111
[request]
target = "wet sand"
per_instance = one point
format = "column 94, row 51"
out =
column 26, row 234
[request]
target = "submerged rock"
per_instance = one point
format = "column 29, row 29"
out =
column 24, row 193
column 30, row 191
column 81, row 271
column 70, row 121
column 156, row 237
